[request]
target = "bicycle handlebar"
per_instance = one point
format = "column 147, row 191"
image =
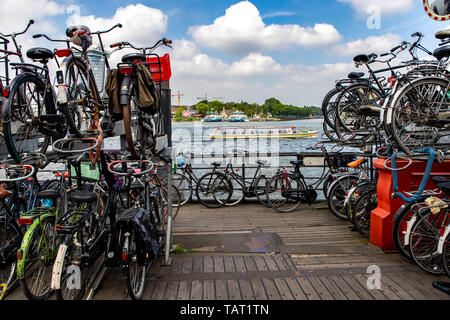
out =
column 106, row 31
column 64, row 140
column 40, row 35
column 19, row 33
column 18, row 167
column 129, row 173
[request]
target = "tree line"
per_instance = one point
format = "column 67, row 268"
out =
column 271, row 106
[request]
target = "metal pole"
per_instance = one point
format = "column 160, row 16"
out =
column 169, row 209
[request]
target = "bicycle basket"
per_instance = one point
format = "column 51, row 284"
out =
column 341, row 160
column 88, row 172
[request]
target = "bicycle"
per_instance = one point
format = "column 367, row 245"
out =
column 141, row 114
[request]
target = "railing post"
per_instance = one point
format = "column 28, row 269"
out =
column 167, row 260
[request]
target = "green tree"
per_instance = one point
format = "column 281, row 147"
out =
column 179, row 113
column 202, row 108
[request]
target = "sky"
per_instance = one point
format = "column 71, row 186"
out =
column 292, row 50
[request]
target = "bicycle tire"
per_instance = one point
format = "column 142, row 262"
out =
column 363, row 208
column 278, row 202
column 337, row 193
column 134, row 272
column 446, row 256
column 36, row 254
column 8, row 272
column 17, row 105
column 77, row 91
column 260, row 189
column 424, row 238
column 223, row 185
column 184, row 186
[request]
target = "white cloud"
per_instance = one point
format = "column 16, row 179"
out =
column 374, row 44
column 386, row 6
column 142, row 25
column 241, row 31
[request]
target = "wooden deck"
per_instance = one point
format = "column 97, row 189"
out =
column 250, row 252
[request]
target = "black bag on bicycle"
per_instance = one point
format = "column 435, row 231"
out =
column 145, row 233
column 148, row 94
column 112, row 88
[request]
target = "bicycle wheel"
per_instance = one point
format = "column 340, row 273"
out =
column 424, row 239
column 39, row 254
column 238, row 192
column 260, row 189
column 10, row 238
column 329, row 107
column 363, row 208
column 28, row 101
column 418, row 116
column 184, row 186
column 446, row 256
column 82, row 97
column 214, row 190
column 135, row 270
column 176, row 200
column 402, row 220
column 284, row 192
column 337, row 194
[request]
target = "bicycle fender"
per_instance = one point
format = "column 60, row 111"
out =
column 409, row 226
column 440, row 247
column 6, row 110
column 26, row 243
column 400, row 211
column 57, row 267
column 125, row 90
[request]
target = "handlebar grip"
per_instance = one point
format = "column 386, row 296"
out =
column 384, row 54
column 395, row 48
column 35, row 36
column 31, row 21
column 119, row 25
column 117, row 44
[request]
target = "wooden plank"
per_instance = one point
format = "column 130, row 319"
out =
column 221, row 290
column 295, row 288
column 288, row 260
column 159, row 290
column 184, row 290
column 383, row 293
column 258, row 289
column 218, row 264
column 209, row 290
column 397, row 289
column 239, row 264
column 246, row 290
column 250, row 263
column 417, row 292
column 333, row 288
column 260, row 264
column 196, row 290
column 283, row 289
column 234, row 292
column 419, row 282
column 320, row 288
column 150, row 285
column 187, row 265
column 270, row 263
column 356, row 286
column 198, row 264
column 208, row 264
column 349, row 293
column 271, row 289
column 281, row 263
column 171, row 290
column 229, row 264
column 311, row 294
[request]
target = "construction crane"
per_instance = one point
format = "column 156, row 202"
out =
column 179, row 95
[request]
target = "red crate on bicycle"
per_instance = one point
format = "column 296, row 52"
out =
column 160, row 67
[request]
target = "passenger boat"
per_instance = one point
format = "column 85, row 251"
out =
column 250, row 133
column 238, row 116
column 213, row 118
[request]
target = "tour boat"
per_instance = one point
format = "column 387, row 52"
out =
column 249, row 133
column 238, row 117
column 213, row 118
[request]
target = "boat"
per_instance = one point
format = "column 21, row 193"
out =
column 213, row 118
column 252, row 132
column 238, row 116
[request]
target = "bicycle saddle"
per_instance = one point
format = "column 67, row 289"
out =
column 355, row 75
column 441, row 53
column 261, row 162
column 216, row 164
column 3, row 192
column 443, row 34
column 40, row 54
column 71, row 30
column 82, row 197
column 48, row 194
column 440, row 179
column 297, row 163
column 364, row 58
column 134, row 57
column 444, row 187
column 357, row 163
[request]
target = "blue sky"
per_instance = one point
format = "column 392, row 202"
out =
column 290, row 49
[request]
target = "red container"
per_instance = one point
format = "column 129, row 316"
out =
column 165, row 73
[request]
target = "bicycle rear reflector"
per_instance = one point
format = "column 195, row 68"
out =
column 25, row 221
column 61, row 53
